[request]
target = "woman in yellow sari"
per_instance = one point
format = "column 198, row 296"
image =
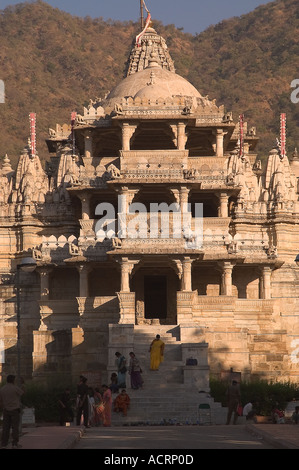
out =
column 157, row 353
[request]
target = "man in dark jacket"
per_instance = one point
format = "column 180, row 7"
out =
column 233, row 400
column 10, row 401
column 65, row 408
column 82, row 396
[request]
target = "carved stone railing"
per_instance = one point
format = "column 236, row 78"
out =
column 55, row 313
column 146, row 174
column 158, row 161
column 97, row 305
column 241, row 310
column 126, row 307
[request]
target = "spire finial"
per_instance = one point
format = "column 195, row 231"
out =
column 147, row 23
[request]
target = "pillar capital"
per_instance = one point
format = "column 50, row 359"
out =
column 127, row 130
column 219, row 133
column 126, row 266
column 184, row 194
column 226, row 274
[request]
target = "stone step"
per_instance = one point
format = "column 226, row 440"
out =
column 165, row 398
column 159, row 329
column 144, row 339
column 160, row 415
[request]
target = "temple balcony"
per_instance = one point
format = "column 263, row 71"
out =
column 153, row 164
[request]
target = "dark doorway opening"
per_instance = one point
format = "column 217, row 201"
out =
column 155, row 296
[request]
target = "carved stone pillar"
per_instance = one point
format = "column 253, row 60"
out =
column 227, row 284
column 44, row 273
column 88, row 144
column 123, row 200
column 219, row 142
column 126, row 269
column 184, row 193
column 123, row 204
column 223, row 206
column 83, row 271
column 125, row 278
column 187, row 274
column 127, row 132
column 181, row 136
column 85, row 203
column 266, row 282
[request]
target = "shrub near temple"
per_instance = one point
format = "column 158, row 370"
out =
column 44, row 399
column 263, row 393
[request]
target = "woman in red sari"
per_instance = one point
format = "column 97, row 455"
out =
column 122, row 403
column 107, row 402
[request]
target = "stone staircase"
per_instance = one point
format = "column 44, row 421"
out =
column 165, row 399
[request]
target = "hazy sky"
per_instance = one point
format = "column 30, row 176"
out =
column 193, row 15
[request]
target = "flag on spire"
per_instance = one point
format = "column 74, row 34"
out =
column 283, row 119
column 73, row 121
column 147, row 23
column 241, row 135
column 32, row 119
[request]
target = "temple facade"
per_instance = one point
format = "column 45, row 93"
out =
column 106, row 269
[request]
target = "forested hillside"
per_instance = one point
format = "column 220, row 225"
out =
column 53, row 63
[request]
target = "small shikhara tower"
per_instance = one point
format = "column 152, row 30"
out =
column 231, row 302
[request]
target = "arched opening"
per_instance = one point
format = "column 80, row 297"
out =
column 246, row 282
column 154, row 195
column 209, row 201
column 206, row 280
column 64, row 284
column 153, row 136
column 107, row 144
column 200, row 142
column 104, row 281
column 110, row 198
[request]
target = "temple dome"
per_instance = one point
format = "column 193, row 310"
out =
column 153, row 82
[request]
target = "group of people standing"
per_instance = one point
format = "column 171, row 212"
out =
column 134, row 370
column 95, row 406
column 156, row 350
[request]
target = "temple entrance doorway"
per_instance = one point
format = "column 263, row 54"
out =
column 155, row 297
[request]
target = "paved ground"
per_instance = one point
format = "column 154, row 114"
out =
column 259, row 436
column 171, row 439
column 51, row 437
